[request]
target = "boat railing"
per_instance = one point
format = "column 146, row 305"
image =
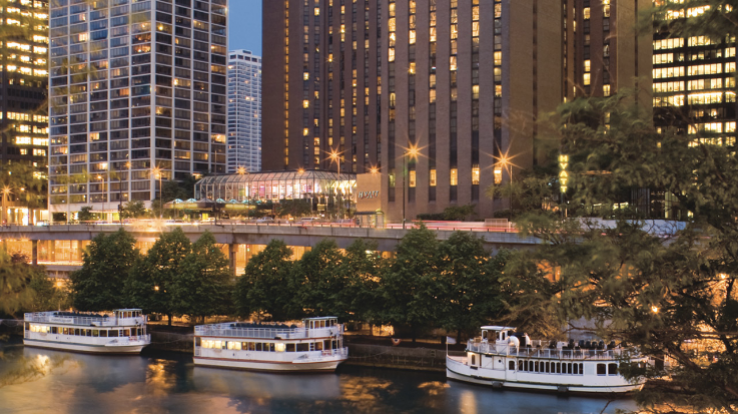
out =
column 105, row 320
column 224, row 330
column 547, row 353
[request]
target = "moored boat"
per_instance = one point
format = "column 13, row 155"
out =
column 314, row 345
column 121, row 332
column 502, row 358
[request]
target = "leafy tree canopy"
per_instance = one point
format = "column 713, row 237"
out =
column 107, row 261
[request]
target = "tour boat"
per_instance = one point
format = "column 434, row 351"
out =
column 121, row 332
column 502, row 358
column 314, row 345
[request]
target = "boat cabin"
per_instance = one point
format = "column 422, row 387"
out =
column 127, row 313
column 496, row 333
column 320, row 323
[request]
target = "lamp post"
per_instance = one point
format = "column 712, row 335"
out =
column 157, row 174
column 6, row 191
column 505, row 163
column 335, row 156
column 413, row 151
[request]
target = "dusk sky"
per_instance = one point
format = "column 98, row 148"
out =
column 244, row 25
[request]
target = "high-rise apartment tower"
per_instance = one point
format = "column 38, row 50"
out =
column 138, row 95
column 444, row 97
column 244, row 111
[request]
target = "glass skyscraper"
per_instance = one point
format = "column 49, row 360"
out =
column 244, row 111
column 137, row 96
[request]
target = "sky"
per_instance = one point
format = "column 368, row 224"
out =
column 244, row 25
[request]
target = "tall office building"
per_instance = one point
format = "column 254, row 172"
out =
column 244, row 111
column 24, row 123
column 460, row 80
column 443, row 96
column 605, row 48
column 137, row 95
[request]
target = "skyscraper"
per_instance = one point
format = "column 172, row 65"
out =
column 244, row 111
column 433, row 93
column 137, row 96
column 23, row 114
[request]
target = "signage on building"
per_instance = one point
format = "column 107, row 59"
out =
column 368, row 193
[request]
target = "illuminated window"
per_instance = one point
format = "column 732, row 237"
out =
column 432, row 180
column 475, row 175
column 412, row 178
column 454, row 177
column 586, row 79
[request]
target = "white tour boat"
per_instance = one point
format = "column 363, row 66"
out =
column 502, row 358
column 121, row 332
column 314, row 345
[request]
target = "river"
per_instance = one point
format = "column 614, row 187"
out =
column 170, row 383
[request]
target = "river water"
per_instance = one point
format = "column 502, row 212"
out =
column 170, row 383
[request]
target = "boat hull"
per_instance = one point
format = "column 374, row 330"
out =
column 131, row 349
column 457, row 369
column 557, row 388
column 250, row 365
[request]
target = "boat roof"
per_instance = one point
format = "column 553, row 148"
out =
column 320, row 318
column 127, row 310
column 498, row 328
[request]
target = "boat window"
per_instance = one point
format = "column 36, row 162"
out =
column 279, row 347
column 484, row 335
column 95, row 333
column 319, row 346
column 512, row 365
column 198, row 341
column 520, row 365
column 576, row 369
column 612, row 369
column 269, row 347
column 581, row 369
column 104, row 334
column 503, row 336
column 558, row 368
column 290, row 347
column 234, row 346
column 258, row 346
column 536, row 367
column 474, row 359
column 54, row 329
column 601, row 369
column 304, row 347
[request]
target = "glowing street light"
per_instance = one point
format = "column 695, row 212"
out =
column 411, row 152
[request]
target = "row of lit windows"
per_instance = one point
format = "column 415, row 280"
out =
column 712, row 127
column 261, row 346
column 21, row 116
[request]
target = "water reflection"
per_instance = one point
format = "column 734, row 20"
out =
column 162, row 383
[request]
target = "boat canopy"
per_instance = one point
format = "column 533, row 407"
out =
column 498, row 328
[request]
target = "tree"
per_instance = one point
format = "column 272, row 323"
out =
column 667, row 288
column 149, row 284
column 320, row 284
column 294, row 208
column 267, row 287
column 15, row 279
column 134, row 209
column 107, row 261
column 85, row 214
column 471, row 295
column 47, row 295
column 204, row 281
column 360, row 294
column 411, row 284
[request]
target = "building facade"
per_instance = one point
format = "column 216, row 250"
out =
column 444, row 97
column 24, row 122
column 137, row 96
column 244, row 111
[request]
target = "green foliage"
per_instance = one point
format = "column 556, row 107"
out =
column 47, row 295
column 411, row 283
column 267, row 288
column 204, row 283
column 134, row 209
column 321, row 284
column 98, row 285
column 149, row 284
column 454, row 213
column 15, row 280
column 471, row 279
column 359, row 295
column 85, row 214
column 670, row 290
column 294, row 208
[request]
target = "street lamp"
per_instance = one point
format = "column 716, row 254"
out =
column 411, row 152
column 506, row 162
column 6, row 192
column 335, row 156
column 156, row 171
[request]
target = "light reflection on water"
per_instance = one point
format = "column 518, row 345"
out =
column 163, row 383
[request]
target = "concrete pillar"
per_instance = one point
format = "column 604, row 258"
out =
column 232, row 252
column 34, row 252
